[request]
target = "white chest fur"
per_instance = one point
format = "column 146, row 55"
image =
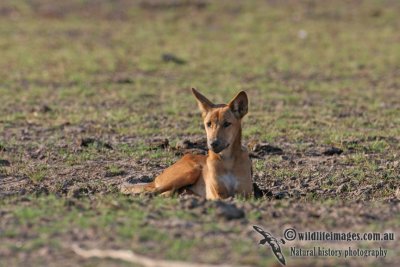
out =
column 230, row 182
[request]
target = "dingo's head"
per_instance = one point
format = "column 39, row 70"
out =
column 222, row 121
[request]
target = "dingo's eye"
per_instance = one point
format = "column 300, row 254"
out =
column 209, row 124
column 227, row 124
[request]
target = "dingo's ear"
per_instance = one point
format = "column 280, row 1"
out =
column 204, row 104
column 239, row 105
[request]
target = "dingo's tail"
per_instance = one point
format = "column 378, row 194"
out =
column 127, row 188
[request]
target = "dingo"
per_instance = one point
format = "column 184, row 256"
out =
column 224, row 172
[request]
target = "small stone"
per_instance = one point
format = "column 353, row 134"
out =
column 189, row 202
column 85, row 142
column 168, row 57
column 281, row 195
column 44, row 109
column 302, row 34
column 228, row 211
column 285, row 158
column 332, row 151
column 188, row 144
column 184, row 144
column 123, row 79
column 276, row 214
column 380, row 184
column 77, row 191
column 314, row 214
column 258, row 193
column 159, row 143
column 114, row 173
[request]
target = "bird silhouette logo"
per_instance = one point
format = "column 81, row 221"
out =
column 272, row 242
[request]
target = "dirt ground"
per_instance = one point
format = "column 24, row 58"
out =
column 97, row 93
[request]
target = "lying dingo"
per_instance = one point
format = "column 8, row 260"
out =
column 224, row 172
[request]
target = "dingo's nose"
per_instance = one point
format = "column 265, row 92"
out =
column 215, row 144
